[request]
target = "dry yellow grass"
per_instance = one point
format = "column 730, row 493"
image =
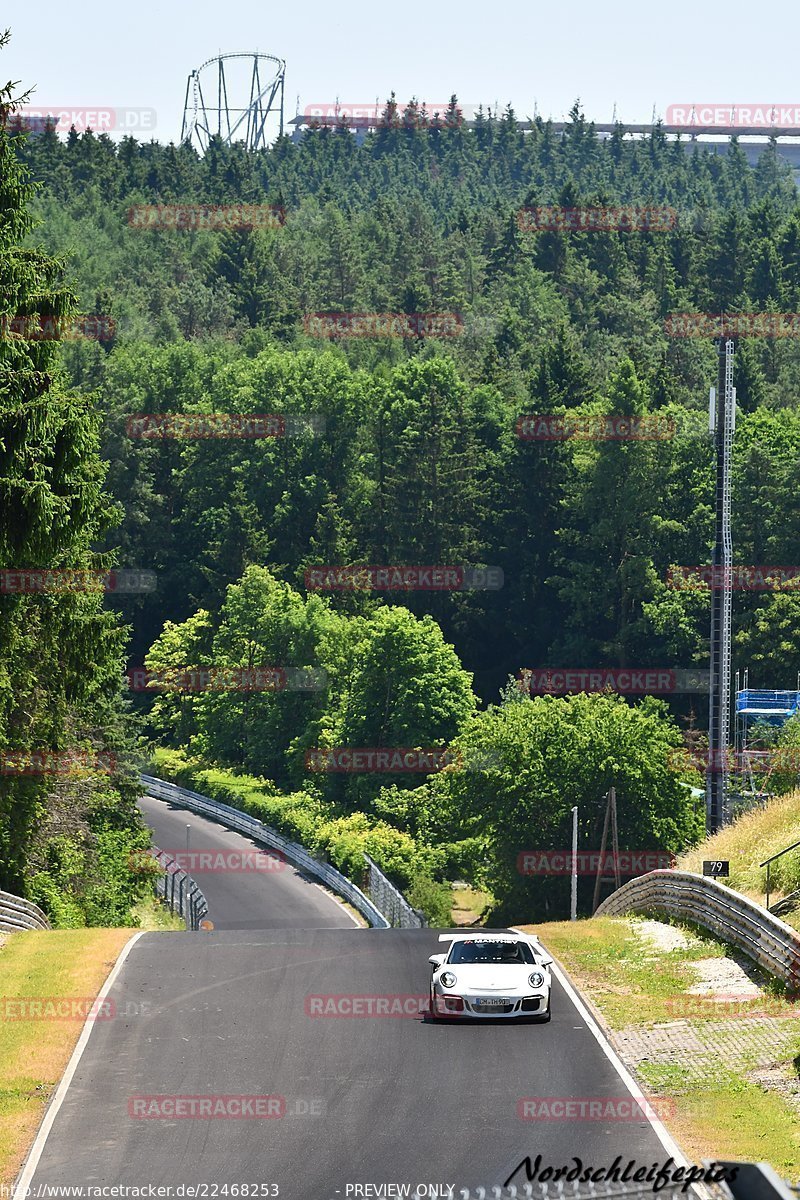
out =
column 66, row 963
column 749, row 841
column 720, row 1112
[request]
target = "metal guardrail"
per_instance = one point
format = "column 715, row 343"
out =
column 753, row 1181
column 179, row 890
column 768, row 864
column 770, row 942
column 597, row 1191
column 242, row 822
column 391, row 902
column 16, row 913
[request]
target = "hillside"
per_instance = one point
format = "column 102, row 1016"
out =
column 749, row 841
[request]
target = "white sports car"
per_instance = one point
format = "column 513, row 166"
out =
column 490, row 975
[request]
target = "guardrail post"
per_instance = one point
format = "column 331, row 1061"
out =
column 191, row 900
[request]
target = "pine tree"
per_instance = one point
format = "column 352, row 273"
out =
column 60, row 654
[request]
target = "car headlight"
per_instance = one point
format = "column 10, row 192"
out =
column 536, row 980
column 447, row 979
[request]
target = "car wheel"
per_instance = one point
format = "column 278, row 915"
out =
column 544, row 1017
column 431, row 1010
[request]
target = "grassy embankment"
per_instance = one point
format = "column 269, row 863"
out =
column 731, row 1071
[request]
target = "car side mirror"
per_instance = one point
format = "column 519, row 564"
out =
column 546, row 962
column 436, row 960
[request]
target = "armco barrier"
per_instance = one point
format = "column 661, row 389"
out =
column 16, row 913
column 770, row 942
column 179, row 890
column 252, row 828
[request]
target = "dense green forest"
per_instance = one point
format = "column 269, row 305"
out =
column 415, row 459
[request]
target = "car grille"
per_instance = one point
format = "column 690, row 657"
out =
column 530, row 1004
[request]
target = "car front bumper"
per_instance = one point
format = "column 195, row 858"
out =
column 449, row 1004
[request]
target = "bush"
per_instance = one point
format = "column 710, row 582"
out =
column 319, row 826
column 434, row 899
column 95, row 880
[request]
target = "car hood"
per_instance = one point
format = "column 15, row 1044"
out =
column 490, row 977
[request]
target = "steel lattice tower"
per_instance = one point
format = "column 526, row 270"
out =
column 722, row 414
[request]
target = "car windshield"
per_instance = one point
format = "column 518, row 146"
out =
column 485, row 951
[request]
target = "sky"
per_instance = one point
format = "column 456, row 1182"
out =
column 625, row 59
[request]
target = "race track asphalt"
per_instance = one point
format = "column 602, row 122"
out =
column 240, row 894
column 364, row 1099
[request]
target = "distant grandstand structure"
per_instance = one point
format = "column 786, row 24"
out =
column 716, row 138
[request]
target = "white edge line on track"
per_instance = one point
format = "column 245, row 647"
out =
column 32, row 1161
column 660, row 1130
column 332, row 896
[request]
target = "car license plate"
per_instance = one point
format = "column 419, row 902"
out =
column 493, row 1002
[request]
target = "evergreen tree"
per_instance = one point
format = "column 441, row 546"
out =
column 60, row 652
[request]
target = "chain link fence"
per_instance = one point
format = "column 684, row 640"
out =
column 391, row 902
column 179, row 890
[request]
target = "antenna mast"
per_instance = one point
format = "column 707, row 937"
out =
column 722, row 420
